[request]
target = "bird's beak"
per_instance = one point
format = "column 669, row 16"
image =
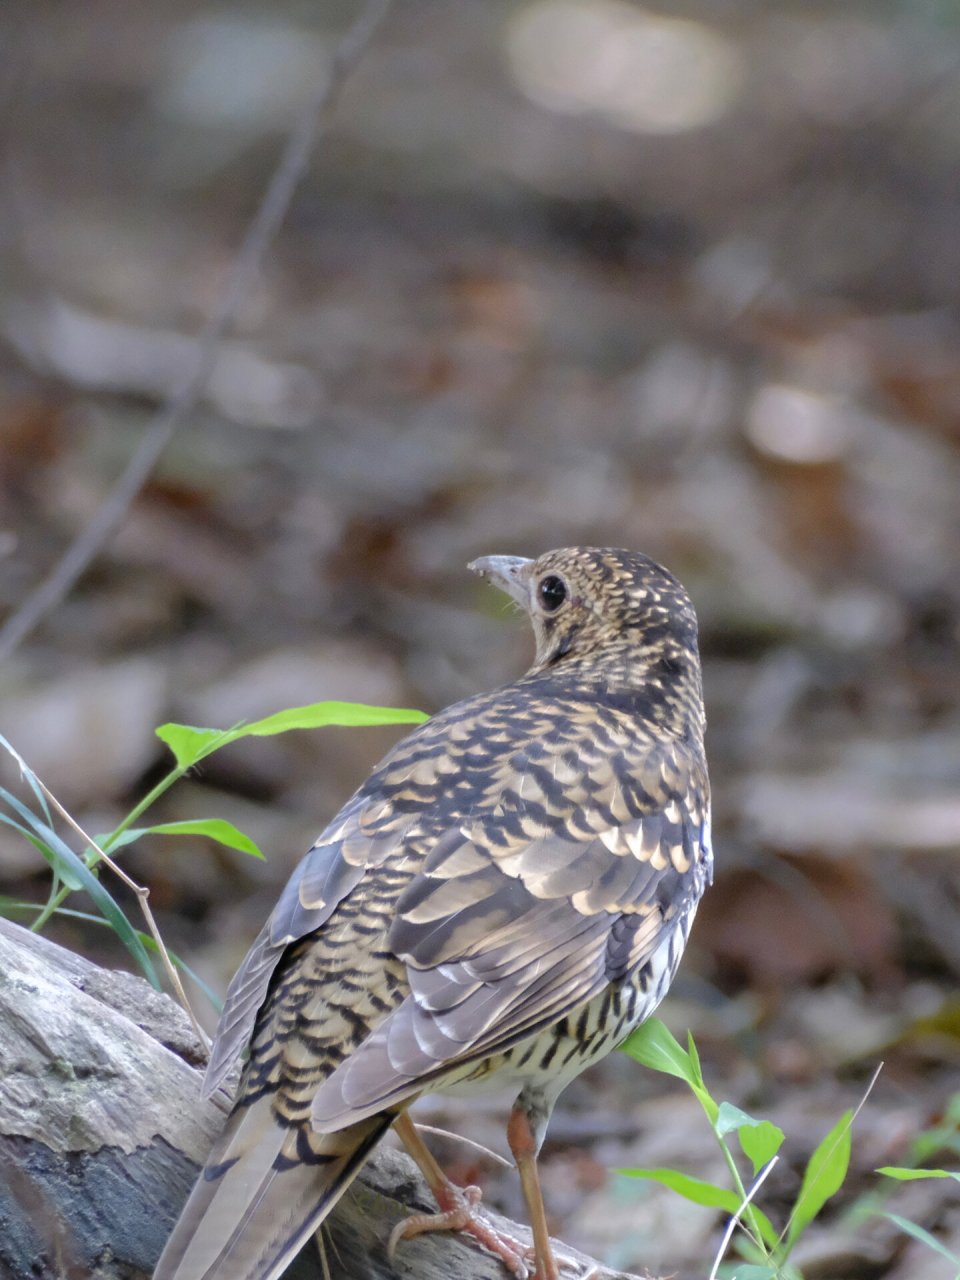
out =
column 509, row 573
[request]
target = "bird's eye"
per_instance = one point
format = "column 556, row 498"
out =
column 552, row 592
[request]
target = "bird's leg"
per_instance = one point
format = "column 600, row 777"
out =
column 524, row 1143
column 457, row 1207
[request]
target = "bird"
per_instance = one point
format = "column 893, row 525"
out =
column 504, row 899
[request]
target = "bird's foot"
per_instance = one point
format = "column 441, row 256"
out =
column 458, row 1213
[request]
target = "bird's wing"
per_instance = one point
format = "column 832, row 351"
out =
column 519, row 916
column 323, row 878
column 520, row 881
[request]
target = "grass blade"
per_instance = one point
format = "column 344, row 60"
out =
column 217, row 829
column 693, row 1189
column 317, row 715
column 190, row 744
column 73, row 870
column 31, row 779
column 822, row 1178
column 924, row 1236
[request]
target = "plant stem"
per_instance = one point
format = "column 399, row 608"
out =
column 139, row 808
column 56, row 900
column 748, row 1217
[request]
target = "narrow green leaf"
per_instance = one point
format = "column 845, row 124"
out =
column 911, row 1175
column 654, row 1046
column 705, row 1193
column 33, row 782
column 702, row 1093
column 319, row 714
column 708, row 1194
column 190, row 744
column 151, row 945
column 217, row 829
column 9, row 905
column 694, row 1189
column 110, row 843
column 43, row 849
column 694, row 1057
column 918, row 1233
column 822, row 1178
column 753, row 1271
column 71, row 869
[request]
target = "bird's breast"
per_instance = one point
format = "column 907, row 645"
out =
column 555, row 1056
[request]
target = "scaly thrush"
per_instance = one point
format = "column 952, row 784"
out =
column 509, row 892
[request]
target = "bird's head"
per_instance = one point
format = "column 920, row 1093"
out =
column 601, row 607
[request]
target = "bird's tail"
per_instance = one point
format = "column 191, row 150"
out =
column 263, row 1192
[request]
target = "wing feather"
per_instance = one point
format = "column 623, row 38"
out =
column 500, row 936
column 320, row 883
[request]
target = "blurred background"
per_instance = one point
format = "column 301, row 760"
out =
column 682, row 278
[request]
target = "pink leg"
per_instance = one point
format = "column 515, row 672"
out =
column 457, row 1207
column 523, row 1144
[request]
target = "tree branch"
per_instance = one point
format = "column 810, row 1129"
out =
column 102, row 1132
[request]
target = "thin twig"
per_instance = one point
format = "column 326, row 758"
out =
column 732, row 1224
column 312, row 124
column 469, row 1142
column 142, row 894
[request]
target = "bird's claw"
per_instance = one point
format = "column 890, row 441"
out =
column 460, row 1215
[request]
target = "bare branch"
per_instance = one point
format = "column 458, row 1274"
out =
column 97, row 1168
column 312, row 124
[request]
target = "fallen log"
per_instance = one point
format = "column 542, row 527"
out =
column 103, row 1131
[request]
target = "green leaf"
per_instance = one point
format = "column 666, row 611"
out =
column 654, row 1046
column 218, row 829
column 754, row 1271
column 911, row 1175
column 822, row 1178
column 31, row 778
column 705, row 1193
column 760, row 1143
column 191, row 744
column 694, row 1057
column 73, row 869
column 8, row 905
column 708, row 1194
column 730, row 1117
column 759, row 1139
column 151, row 944
column 918, row 1233
column 72, row 882
column 699, row 1192
column 111, row 843
column 319, row 714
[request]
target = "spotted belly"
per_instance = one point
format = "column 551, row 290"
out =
column 548, row 1061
